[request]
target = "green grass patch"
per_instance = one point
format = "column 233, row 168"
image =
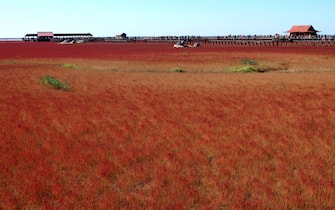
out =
column 254, row 66
column 70, row 66
column 13, row 62
column 245, row 69
column 56, row 84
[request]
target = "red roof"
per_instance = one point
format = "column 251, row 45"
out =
column 45, row 34
column 302, row 29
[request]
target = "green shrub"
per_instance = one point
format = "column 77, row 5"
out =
column 249, row 62
column 179, row 70
column 56, row 84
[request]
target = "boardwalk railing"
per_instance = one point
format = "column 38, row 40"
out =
column 271, row 42
column 244, row 40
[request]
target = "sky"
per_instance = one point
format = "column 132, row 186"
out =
column 106, row 18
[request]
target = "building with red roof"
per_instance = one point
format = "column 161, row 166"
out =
column 302, row 30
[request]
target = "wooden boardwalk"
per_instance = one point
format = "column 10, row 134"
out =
column 292, row 42
column 329, row 41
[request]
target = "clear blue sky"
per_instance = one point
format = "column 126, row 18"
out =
column 165, row 17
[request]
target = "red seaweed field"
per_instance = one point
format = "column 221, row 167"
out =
column 147, row 126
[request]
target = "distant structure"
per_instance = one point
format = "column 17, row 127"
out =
column 50, row 36
column 44, row 36
column 302, row 30
column 121, row 36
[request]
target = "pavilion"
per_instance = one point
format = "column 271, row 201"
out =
column 302, row 30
